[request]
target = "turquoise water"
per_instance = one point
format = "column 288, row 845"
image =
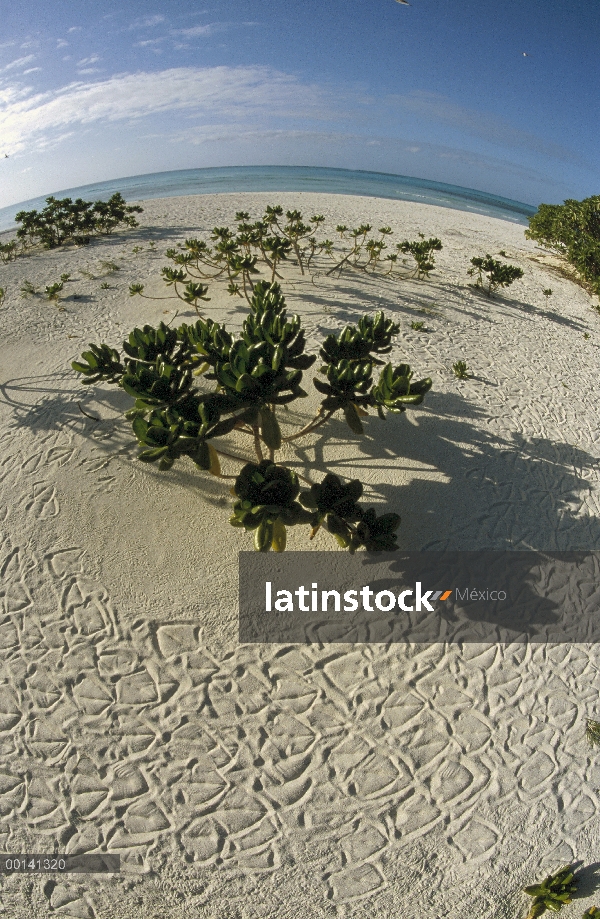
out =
column 287, row 178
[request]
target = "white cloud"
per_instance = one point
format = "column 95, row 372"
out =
column 147, row 22
column 208, row 29
column 148, row 42
column 74, row 29
column 251, row 105
column 19, row 62
column 61, row 43
column 88, row 60
column 239, row 93
column 87, row 70
column 194, row 31
column 31, row 70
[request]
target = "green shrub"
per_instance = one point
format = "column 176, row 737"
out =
column 256, row 373
column 553, row 893
column 52, row 290
column 238, row 255
column 460, row 370
column 497, row 274
column 8, row 251
column 572, row 230
column 422, row 251
column 28, row 289
column 592, row 732
column 64, row 220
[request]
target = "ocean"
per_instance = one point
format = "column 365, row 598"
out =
column 216, row 180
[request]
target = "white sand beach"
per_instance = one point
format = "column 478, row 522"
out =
column 260, row 781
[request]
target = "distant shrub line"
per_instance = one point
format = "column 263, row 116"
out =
column 64, row 220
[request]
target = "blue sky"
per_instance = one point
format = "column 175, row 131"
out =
column 439, row 90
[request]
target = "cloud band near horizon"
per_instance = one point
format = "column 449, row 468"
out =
column 251, row 96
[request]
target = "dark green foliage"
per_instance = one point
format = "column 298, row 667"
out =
column 592, row 732
column 336, row 504
column 264, row 366
column 348, row 383
column 395, row 389
column 372, row 335
column 254, row 373
column 422, row 251
column 101, row 363
column 270, row 500
column 108, row 215
column 52, row 290
column 334, row 497
column 8, row 251
column 552, row 893
column 349, row 371
column 461, row 370
column 376, row 534
column 64, row 220
column 572, row 230
column 267, row 493
column 497, row 273
column 183, row 429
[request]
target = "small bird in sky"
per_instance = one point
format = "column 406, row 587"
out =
column 403, row 2
column 524, row 53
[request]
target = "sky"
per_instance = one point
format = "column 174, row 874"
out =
column 438, row 89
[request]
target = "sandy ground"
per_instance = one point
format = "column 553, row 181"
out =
column 262, row 781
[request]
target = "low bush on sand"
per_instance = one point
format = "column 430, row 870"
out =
column 64, row 220
column 238, row 255
column 493, row 273
column 572, row 230
column 553, row 893
column 256, row 374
